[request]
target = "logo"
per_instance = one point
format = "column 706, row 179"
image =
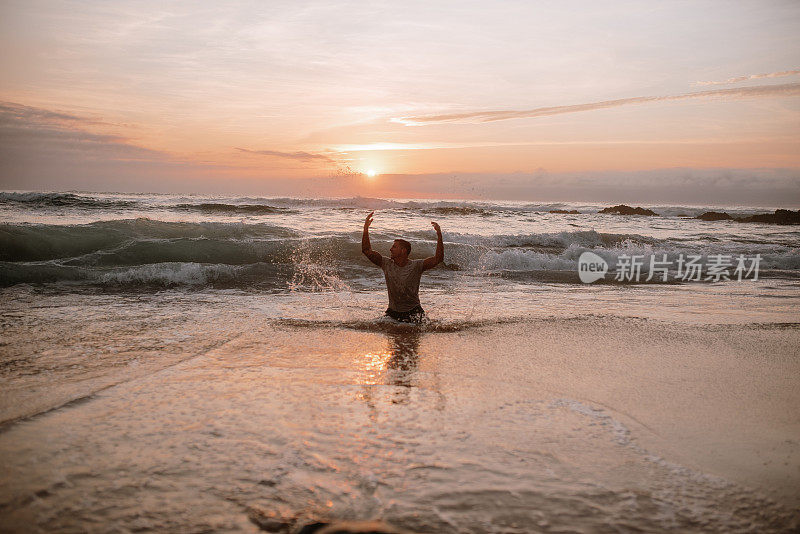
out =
column 684, row 268
column 591, row 267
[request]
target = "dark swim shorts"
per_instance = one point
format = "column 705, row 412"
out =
column 414, row 315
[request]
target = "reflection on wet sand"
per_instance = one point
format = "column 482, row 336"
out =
column 404, row 360
column 395, row 366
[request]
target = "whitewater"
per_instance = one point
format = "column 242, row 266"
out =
column 221, row 363
column 257, row 243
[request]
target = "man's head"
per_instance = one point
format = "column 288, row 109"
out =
column 400, row 249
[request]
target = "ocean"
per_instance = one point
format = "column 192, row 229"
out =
column 217, row 363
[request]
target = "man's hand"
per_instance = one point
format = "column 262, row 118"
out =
column 436, row 259
column 366, row 249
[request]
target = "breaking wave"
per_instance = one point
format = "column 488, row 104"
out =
column 31, row 242
column 265, row 206
column 145, row 252
column 233, row 209
column 65, row 200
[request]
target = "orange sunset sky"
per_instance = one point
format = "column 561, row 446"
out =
column 677, row 101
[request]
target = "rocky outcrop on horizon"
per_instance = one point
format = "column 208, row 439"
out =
column 714, row 216
column 779, row 217
column 623, row 209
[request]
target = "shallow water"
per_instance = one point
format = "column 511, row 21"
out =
column 480, row 429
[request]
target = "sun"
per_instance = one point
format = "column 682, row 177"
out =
column 371, row 173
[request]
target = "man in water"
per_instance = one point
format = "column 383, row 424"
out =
column 402, row 274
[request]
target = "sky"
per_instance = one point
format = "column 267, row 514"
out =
column 694, row 102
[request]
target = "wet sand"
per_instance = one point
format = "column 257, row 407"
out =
column 548, row 424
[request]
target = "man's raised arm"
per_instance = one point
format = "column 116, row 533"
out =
column 373, row 256
column 433, row 261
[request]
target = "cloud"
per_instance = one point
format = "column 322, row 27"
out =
column 49, row 150
column 28, row 134
column 298, row 156
column 751, row 77
column 789, row 89
column 11, row 112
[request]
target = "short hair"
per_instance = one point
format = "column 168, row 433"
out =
column 405, row 244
